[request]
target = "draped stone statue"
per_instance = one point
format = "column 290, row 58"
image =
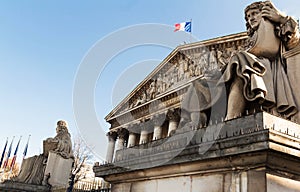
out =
column 33, row 168
column 62, row 141
column 256, row 78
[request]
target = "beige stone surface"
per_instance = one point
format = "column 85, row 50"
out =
column 212, row 183
column 145, row 186
column 121, row 187
column 59, row 169
column 293, row 71
column 175, row 184
column 280, row 184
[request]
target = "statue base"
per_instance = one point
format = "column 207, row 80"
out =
column 58, row 170
column 259, row 152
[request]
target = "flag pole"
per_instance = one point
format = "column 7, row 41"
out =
column 3, row 152
column 2, row 158
column 191, row 32
column 8, row 154
column 13, row 161
column 25, row 150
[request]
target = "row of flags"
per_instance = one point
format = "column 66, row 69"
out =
column 5, row 159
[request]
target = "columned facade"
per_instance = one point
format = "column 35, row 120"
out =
column 152, row 111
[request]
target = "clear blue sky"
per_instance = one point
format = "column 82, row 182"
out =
column 42, row 44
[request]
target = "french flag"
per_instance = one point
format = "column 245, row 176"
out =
column 8, row 154
column 3, row 153
column 13, row 161
column 26, row 148
column 185, row 26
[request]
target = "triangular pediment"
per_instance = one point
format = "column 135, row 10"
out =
column 185, row 63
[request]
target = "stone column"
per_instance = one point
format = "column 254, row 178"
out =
column 173, row 118
column 144, row 127
column 131, row 139
column 122, row 134
column 144, row 136
column 132, row 136
column 112, row 136
column 158, row 121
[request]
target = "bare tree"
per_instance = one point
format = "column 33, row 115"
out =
column 8, row 173
column 82, row 154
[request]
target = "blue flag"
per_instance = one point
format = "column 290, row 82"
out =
column 8, row 154
column 3, row 153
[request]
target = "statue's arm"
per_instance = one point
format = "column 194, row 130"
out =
column 289, row 33
column 286, row 27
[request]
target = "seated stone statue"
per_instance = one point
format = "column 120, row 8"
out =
column 62, row 141
column 255, row 78
column 258, row 77
column 33, row 168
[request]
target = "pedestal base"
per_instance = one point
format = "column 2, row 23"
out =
column 58, row 169
column 254, row 153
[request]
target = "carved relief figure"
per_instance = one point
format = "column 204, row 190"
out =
column 213, row 63
column 204, row 60
column 165, row 82
column 151, row 92
column 142, row 99
column 159, row 84
column 191, row 72
column 181, row 70
column 198, row 71
column 258, row 75
column 223, row 58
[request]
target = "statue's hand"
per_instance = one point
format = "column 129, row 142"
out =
column 272, row 13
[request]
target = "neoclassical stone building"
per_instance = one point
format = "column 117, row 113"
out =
column 152, row 111
column 154, row 144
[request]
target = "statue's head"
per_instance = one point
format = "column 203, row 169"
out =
column 62, row 125
column 253, row 16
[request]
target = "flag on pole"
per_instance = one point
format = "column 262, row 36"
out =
column 8, row 154
column 185, row 26
column 13, row 161
column 26, row 147
column 3, row 153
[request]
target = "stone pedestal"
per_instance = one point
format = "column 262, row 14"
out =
column 59, row 170
column 293, row 71
column 255, row 153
